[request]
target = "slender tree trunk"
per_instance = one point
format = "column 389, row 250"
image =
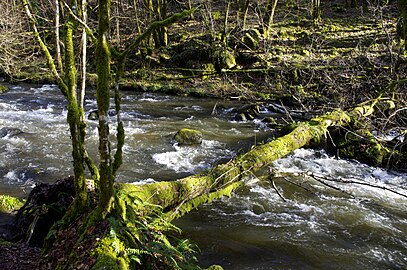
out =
column 84, row 59
column 315, row 9
column 68, row 86
column 271, row 8
column 57, row 45
column 103, row 101
column 74, row 116
column 403, row 14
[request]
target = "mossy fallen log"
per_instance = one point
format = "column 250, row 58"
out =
column 179, row 197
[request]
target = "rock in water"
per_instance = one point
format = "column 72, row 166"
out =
column 186, row 136
column 8, row 131
column 93, row 115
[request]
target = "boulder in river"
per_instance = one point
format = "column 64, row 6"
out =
column 9, row 131
column 187, row 136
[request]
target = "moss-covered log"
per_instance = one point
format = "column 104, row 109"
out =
column 179, row 197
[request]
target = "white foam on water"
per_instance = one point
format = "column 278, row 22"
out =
column 147, row 99
column 14, row 143
column 45, row 88
column 12, row 177
column 144, row 181
column 6, row 107
column 191, row 158
column 189, row 108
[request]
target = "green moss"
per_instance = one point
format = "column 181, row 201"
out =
column 362, row 146
column 4, row 242
column 3, row 89
column 9, row 204
column 108, row 253
column 215, row 267
column 187, row 136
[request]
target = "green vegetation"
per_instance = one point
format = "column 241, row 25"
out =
column 3, row 89
column 9, row 204
column 187, row 136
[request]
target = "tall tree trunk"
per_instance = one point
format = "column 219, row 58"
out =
column 102, row 55
column 74, row 115
column 68, row 85
column 84, row 58
column 57, row 45
column 315, row 9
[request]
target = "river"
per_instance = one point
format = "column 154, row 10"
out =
column 308, row 227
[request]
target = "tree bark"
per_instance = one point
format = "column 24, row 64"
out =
column 102, row 55
column 74, row 116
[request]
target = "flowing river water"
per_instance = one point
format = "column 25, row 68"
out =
column 307, row 227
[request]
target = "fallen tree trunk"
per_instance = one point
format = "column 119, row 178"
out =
column 179, row 197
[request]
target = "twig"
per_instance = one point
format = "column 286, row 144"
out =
column 319, row 179
column 297, row 184
column 276, row 189
column 358, row 182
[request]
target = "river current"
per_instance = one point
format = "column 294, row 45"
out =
column 311, row 226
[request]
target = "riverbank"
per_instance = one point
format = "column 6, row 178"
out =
column 347, row 56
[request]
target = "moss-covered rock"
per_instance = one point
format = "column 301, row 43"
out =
column 3, row 89
column 215, row 267
column 9, row 204
column 248, row 112
column 223, row 59
column 187, row 136
column 251, row 38
column 362, row 146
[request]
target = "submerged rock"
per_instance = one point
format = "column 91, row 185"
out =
column 93, row 115
column 9, row 131
column 248, row 112
column 186, row 136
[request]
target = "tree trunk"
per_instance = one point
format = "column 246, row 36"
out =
column 57, row 46
column 315, row 9
column 74, row 117
column 179, row 197
column 403, row 14
column 102, row 55
column 271, row 8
